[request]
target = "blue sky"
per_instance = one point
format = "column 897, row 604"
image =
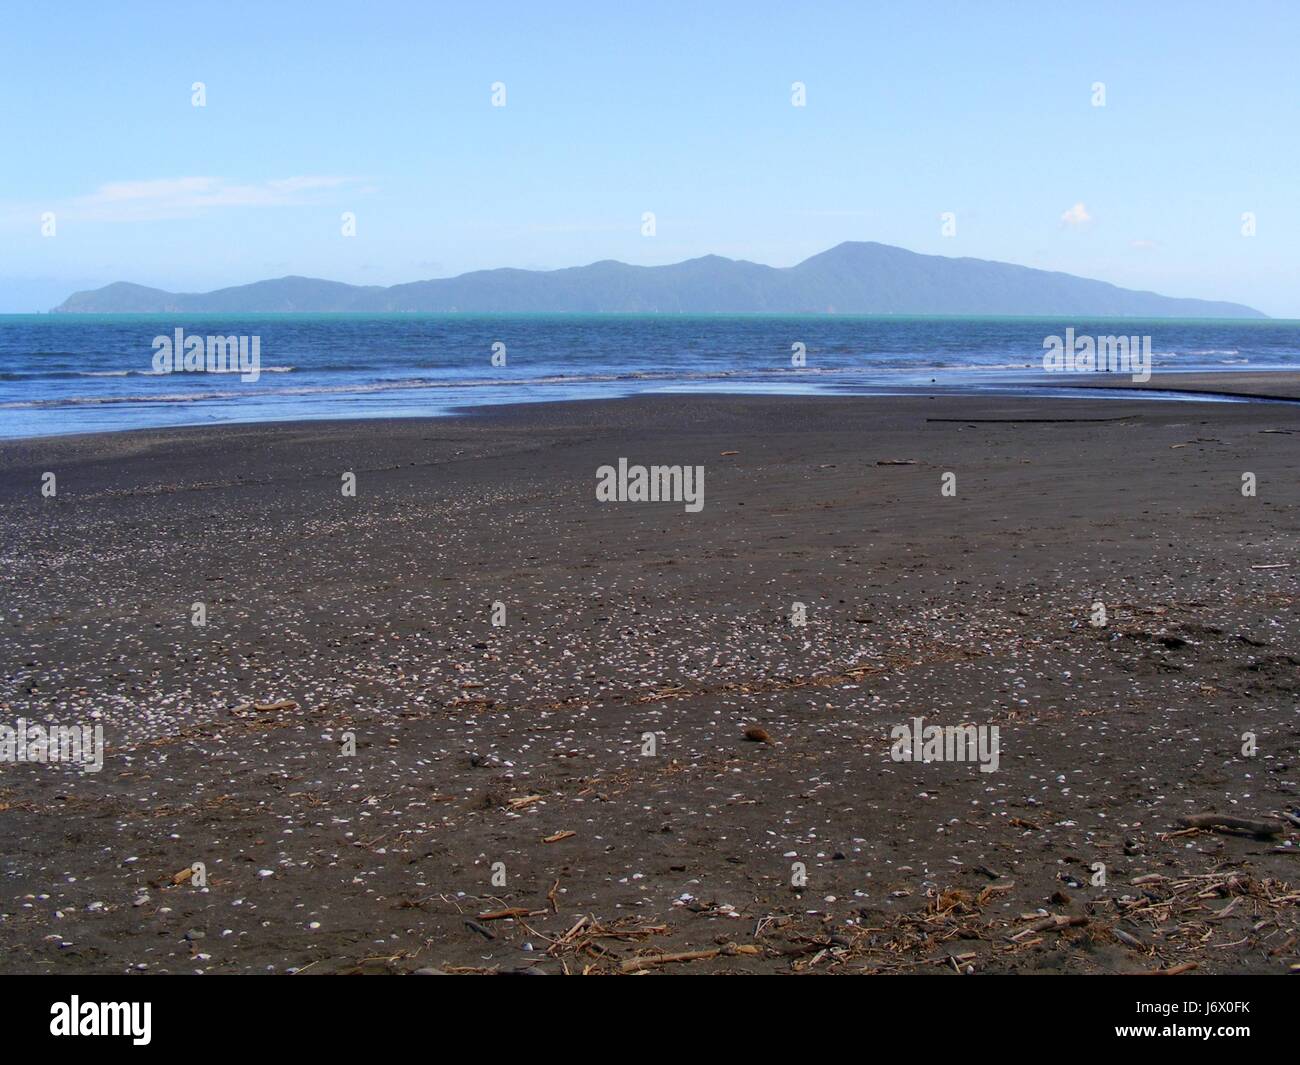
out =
column 614, row 109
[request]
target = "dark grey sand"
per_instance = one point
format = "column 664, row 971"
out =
column 475, row 744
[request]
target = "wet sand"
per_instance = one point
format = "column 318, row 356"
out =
column 1258, row 384
column 518, row 751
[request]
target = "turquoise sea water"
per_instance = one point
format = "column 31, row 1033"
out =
column 82, row 373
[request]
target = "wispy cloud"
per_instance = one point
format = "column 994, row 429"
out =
column 1076, row 216
column 184, row 197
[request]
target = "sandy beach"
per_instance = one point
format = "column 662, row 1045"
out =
column 374, row 777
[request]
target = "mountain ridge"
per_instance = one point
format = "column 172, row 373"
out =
column 853, row 277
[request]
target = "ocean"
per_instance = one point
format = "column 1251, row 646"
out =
column 85, row 373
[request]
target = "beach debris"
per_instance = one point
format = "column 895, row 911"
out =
column 556, row 837
column 585, row 935
column 650, row 961
column 992, row 891
column 243, row 709
column 755, row 734
column 895, row 462
column 1128, row 939
column 474, row 926
column 725, row 453
column 502, row 915
column 1051, row 923
column 1236, row 825
column 1173, row 970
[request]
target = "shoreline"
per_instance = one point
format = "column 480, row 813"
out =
column 1265, row 386
column 1277, row 385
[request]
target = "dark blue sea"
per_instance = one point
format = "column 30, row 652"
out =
column 82, row 373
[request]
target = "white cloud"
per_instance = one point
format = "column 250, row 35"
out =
column 164, row 198
column 1076, row 216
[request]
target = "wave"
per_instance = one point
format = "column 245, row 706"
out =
column 867, row 374
column 68, row 375
column 421, row 384
column 355, row 388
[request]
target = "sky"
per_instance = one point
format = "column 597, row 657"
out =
column 385, row 111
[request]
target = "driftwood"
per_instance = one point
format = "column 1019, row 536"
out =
column 649, row 961
column 1173, row 970
column 1227, row 823
column 1045, row 923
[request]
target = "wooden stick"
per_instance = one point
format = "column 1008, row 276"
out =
column 1054, row 922
column 1173, row 970
column 1221, row 914
column 649, row 961
column 1227, row 823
